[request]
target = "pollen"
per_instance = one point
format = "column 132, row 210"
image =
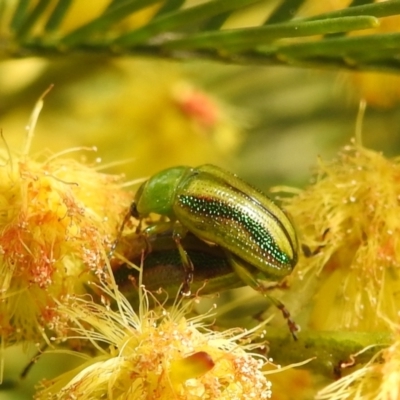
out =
column 57, row 218
column 157, row 354
column 350, row 220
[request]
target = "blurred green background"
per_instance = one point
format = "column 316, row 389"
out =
column 267, row 124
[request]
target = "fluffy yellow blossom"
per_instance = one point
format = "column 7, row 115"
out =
column 351, row 217
column 58, row 218
column 156, row 354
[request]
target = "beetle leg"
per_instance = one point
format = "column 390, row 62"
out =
column 239, row 266
column 188, row 267
column 188, row 270
column 139, row 227
column 158, row 228
column 179, row 233
column 119, row 236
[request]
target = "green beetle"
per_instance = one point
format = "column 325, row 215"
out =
column 218, row 207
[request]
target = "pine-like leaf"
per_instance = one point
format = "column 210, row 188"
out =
column 175, row 29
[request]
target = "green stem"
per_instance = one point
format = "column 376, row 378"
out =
column 111, row 16
column 19, row 15
column 343, row 46
column 284, row 12
column 378, row 10
column 57, row 15
column 330, row 350
column 176, row 19
column 253, row 37
column 26, row 24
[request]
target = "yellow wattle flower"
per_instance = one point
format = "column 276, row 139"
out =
column 156, row 354
column 58, row 218
column 351, row 216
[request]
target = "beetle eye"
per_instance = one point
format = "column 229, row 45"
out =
column 133, row 211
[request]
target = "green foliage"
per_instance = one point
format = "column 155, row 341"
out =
column 181, row 31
